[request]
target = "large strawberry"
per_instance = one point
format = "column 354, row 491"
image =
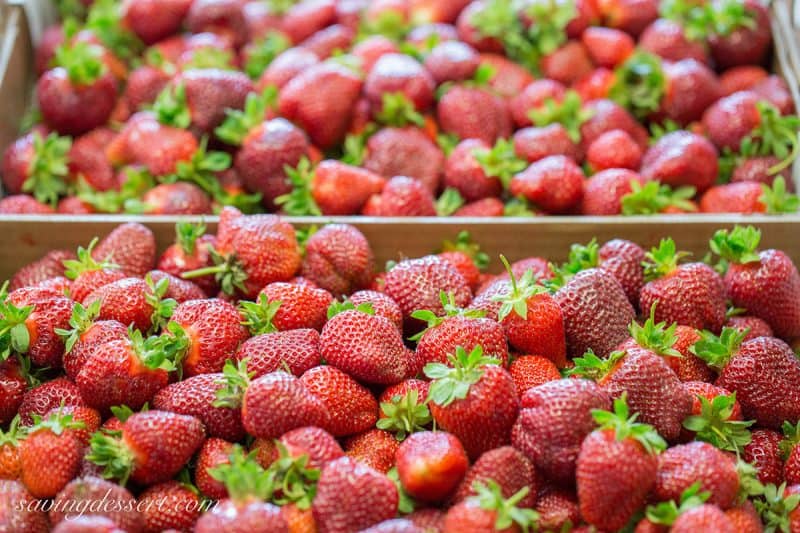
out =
column 189, row 252
column 474, row 112
column 351, row 406
column 136, row 302
column 85, row 335
column 339, row 259
column 765, row 283
column 396, row 77
column 749, row 197
column 461, row 396
column 616, row 467
column 51, row 454
column 683, row 465
column 431, row 465
column 407, row 151
column 89, row 492
column 508, row 467
column 42, row 398
column 88, row 274
column 20, row 512
column 132, row 246
column 681, row 158
column 296, row 350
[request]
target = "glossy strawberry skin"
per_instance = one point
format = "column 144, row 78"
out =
column 12, row 389
column 407, row 151
column 42, row 398
column 20, row 513
column 180, row 511
column 301, row 306
column 554, row 183
column 763, row 452
column 375, row 448
column 50, row 312
column 541, row 331
column 431, row 465
column 440, row 342
column 341, row 189
column 474, row 113
column 132, row 246
column 298, row 349
column 249, row 515
column 682, row 465
column 317, row 444
column 88, row 490
column 174, row 260
column 98, row 333
column 49, row 266
column 213, row 453
column 509, row 468
column 49, row 461
column 339, row 259
column 352, row 407
column 75, row 109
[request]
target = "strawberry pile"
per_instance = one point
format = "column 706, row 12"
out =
column 406, row 108
column 263, row 379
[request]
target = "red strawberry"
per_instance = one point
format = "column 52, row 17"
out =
column 89, row 492
column 405, row 151
column 374, row 448
column 776, row 298
column 366, row 346
column 190, row 252
column 606, row 46
column 133, row 301
column 132, row 246
column 703, row 518
column 297, row 350
column 224, row 17
column 144, row 84
column 746, row 40
column 341, row 189
column 667, row 38
column 153, row 21
column 398, row 76
column 87, row 418
column 603, row 115
column 179, row 289
column 176, row 199
column 507, row 78
column 614, row 149
column 213, row 453
column 12, row 388
column 180, row 509
column 534, row 144
column 535, row 97
column 475, row 170
column 554, row 183
column 623, row 259
column 51, row 454
column 461, row 395
column 488, row 207
column 689, row 367
column 31, row 318
column 311, row 444
column 490, row 511
column 681, row 466
column 474, row 113
column 351, row 496
column 333, row 38
column 764, row 453
column 351, row 406
column 19, row 512
column 79, row 94
column 196, row 396
column 568, row 63
column 286, row 66
column 745, row 518
column 49, row 266
column 434, row 11
column 153, row 447
column 22, row 204
column 749, row 197
column 299, row 306
column 452, row 61
column 42, row 398
column 758, row 169
column 339, row 259
column 86, row 334
column 557, row 507
column 531, row 371
column 674, row 160
column 88, row 274
column 401, row 197
column 752, row 326
column 431, row 465
column 508, row 467
column 404, row 408
column 37, row 164
column 616, row 467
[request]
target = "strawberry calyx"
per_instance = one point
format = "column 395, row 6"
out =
column 451, row 383
column 592, row 367
column 292, row 481
column 500, row 161
column 550, row 19
column 581, row 257
column 398, row 111
column 107, row 449
column 625, row 426
column 726, row 16
column 81, row 320
column 56, row 423
column 104, row 20
column 162, row 307
column 447, row 142
column 123, row 412
column 639, row 84
column 14, row 334
column 652, row 198
column 258, row 316
column 227, row 270
column 776, row 135
column 47, row 169
column 159, row 352
column 464, row 244
column 659, row 129
column 239, row 123
column 300, row 201
column 202, row 169
column 137, row 182
column 82, row 62
column 489, row 496
column 791, row 438
column 716, row 351
column 665, row 513
column 210, row 57
column 243, row 477
column 404, row 415
column 662, row 260
column 186, row 235
column 85, row 262
column 499, row 19
column 775, row 505
column 714, row 426
column 448, row 202
column 522, row 290
column 776, row 198
column 263, row 51
column 355, row 145
column 739, row 245
column 171, row 107
column 14, row 434
column 569, row 112
column 235, row 379
column 656, row 337
column 390, row 23
column 451, row 309
column 154, row 58
column 518, row 206
column 337, row 307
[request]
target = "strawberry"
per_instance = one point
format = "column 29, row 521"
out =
column 22, row 204
column 89, row 492
column 195, row 396
column 42, row 398
column 431, row 465
column 757, row 169
column 10, row 463
column 132, row 246
column 507, row 78
column 271, row 404
column 459, row 327
column 607, row 47
column 475, row 170
column 433, row 11
column 152, row 21
column 557, row 507
column 133, row 301
column 703, row 518
column 49, row 266
column 752, row 326
column 774, row 274
column 176, row 199
column 530, row 371
column 790, row 450
column 85, row 335
column 251, row 252
column 488, row 207
column 79, row 93
column 417, row 283
column 452, row 61
column 681, row 466
column 30, row 320
column 224, row 17
column 466, row 256
column 351, row 496
column 152, row 448
column 87, row 420
column 596, row 312
column 333, row 38
column 398, row 77
column 296, row 350
column 189, row 252
column 749, row 197
column 460, row 396
column 488, row 510
column 536, row 96
column 339, row 259
column 366, row 346
column 311, row 444
column 405, row 151
column 614, row 149
column 19, row 510
column 404, row 408
column 401, row 197
column 567, row 63
column 690, row 294
column 623, row 259
column 395, row 525
column 330, row 83
column 50, row 456
column 213, row 453
column 616, row 467
column 341, row 189
column 374, row 448
column 672, row 160
column 601, row 115
column 474, row 113
column 689, row 367
column 351, row 406
column 745, row 518
column 179, row 289
column 667, row 39
column 716, row 417
column 506, row 466
column 537, row 184
column 88, row 274
column 286, row 66
column 145, row 83
column 38, row 165
column 744, row 38
column 299, row 306
column 180, row 509
column 741, row 78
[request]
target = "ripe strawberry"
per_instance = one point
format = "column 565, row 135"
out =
column 603, row 192
column 88, row 274
column 10, row 463
column 596, row 312
column 530, row 371
column 22, row 204
column 538, row 184
column 37, row 164
column 557, row 507
column 764, row 453
column 153, row 21
column 195, row 396
column 79, row 93
column 312, row 444
column 506, row 466
column 775, row 300
column 535, row 96
column 296, row 350
column 170, row 505
column 703, row 518
column 179, row 289
column 375, row 448
column 42, row 398
column 89, row 492
column 49, row 266
column 477, row 171
column 681, row 466
column 452, row 61
column 87, row 418
column 153, row 447
column 488, row 207
column 286, row 66
column 405, row 151
column 189, row 252
column 351, row 496
column 431, row 465
column 616, row 467
column 745, row 518
column 474, row 113
column 401, row 197
column 461, row 395
column 749, row 197
column 667, row 39
column 176, row 199
column 746, row 40
column 791, row 452
column 490, row 511
column 339, row 259
column 341, row 189
column 607, row 47
column 366, row 346
column 398, row 76
column 213, row 453
column 352, row 407
column 568, row 63
column 85, row 335
column 299, row 306
column 614, row 149
column 144, row 84
column 132, row 246
column 18, row 510
column 30, row 319
column 753, row 326
column 758, row 169
column 51, row 454
column 674, row 160
column 133, row 301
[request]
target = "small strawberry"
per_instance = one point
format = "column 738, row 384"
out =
column 557, row 507
column 85, row 335
column 452, row 61
column 506, row 466
column 375, row 448
column 791, row 452
column 405, row 151
column 537, row 184
column 488, row 510
column 89, row 492
column 474, row 112
column 132, row 246
column 296, row 350
column 312, row 444
column 477, row 171
column 431, row 465
column 681, row 466
column 764, row 453
column 460, row 396
column 401, row 197
column 488, row 207
column 339, row 259
column 336, row 188
column 614, row 149
column 530, row 371
column 170, row 505
column 299, row 306
column 668, row 39
column 51, row 454
column 190, row 252
column 616, row 467
column 10, row 462
column 351, row 406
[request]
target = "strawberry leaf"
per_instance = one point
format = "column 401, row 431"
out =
column 737, row 246
column 107, row 449
column 239, row 123
column 257, row 316
column 453, row 383
column 665, row 513
column 187, row 233
column 791, row 438
column 449, row 202
column 337, row 307
column 398, row 111
column 522, row 290
column 48, row 170
column 404, row 415
column 653, row 198
column 639, row 84
column 776, row 135
column 171, row 108
column 235, row 381
column 625, row 426
column 713, row 424
column 662, row 260
column 82, row 61
column 291, row 479
column 592, row 367
column 775, row 507
column 489, row 496
column 243, row 477
column 656, row 337
column 717, row 351
column 81, row 320
column 467, row 246
column 300, row 201
column 500, row 162
column 14, row 335
column 105, row 22
column 261, row 52
column 569, row 112
column 162, row 307
column 776, row 198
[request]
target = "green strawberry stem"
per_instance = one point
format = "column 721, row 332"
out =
column 521, row 291
column 82, row 61
column 500, row 161
column 355, row 145
column 57, row 423
column 48, row 168
column 81, row 320
column 258, row 316
column 449, row 202
column 398, row 111
column 656, row 337
column 713, row 424
column 580, row 258
column 137, row 182
column 202, row 170
column 518, row 207
column 662, row 260
column 489, row 496
column 292, row 480
column 107, row 449
column 625, row 426
column 160, row 352
column 236, row 379
column 404, row 415
column 659, row 129
column 776, row 198
column 451, row 309
column 123, row 412
column 14, row 334
column 592, row 367
column 171, row 107
column 653, row 198
column 162, row 307
column 243, row 477
column 717, row 351
column 775, row 507
column 390, row 23
column 466, row 245
column 337, row 307
column 105, row 21
column 263, row 51
column 639, row 84
column 85, row 262
column 791, row 438
column 453, row 383
column 239, row 123
column 499, row 19
column 227, row 270
column 187, row 233
column 447, row 142
column 14, row 434
column 665, row 513
column 776, row 135
column 569, row 112
column 300, row 201
column 738, row 246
